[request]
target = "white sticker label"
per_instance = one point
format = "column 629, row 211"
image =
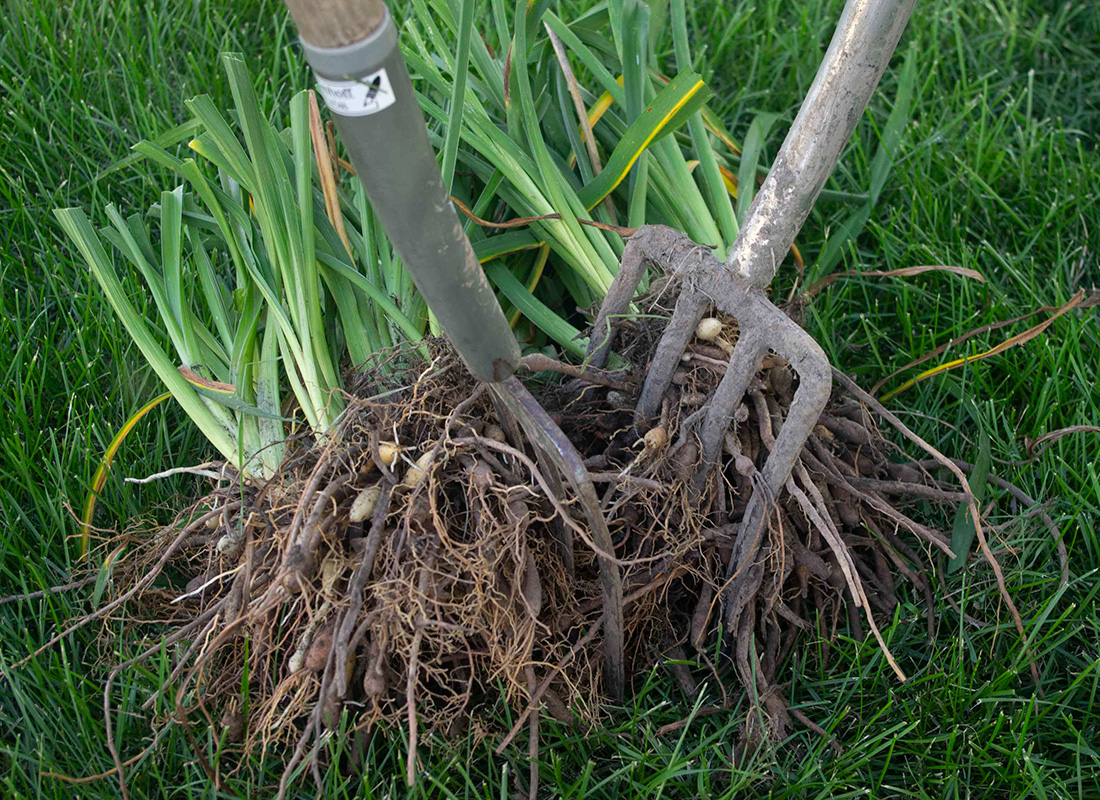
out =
column 367, row 95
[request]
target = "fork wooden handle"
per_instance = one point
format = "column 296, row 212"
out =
column 865, row 38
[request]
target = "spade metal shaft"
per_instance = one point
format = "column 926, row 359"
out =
column 352, row 47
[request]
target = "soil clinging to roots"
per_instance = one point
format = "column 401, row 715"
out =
column 414, row 563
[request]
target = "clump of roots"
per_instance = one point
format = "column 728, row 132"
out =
column 415, row 559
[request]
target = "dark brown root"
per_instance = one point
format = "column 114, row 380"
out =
column 473, row 570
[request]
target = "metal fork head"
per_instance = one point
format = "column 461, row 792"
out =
column 705, row 281
column 865, row 38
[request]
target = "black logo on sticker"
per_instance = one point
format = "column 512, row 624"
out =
column 374, row 88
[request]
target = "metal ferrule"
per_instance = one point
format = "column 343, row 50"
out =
column 354, row 60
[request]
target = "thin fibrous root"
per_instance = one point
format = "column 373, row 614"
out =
column 972, row 506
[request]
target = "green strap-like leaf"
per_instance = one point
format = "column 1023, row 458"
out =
column 535, row 310
column 172, row 136
column 360, row 282
column 700, row 139
column 99, row 479
column 685, row 95
column 75, row 223
column 458, row 94
column 505, row 243
column 211, row 288
column 750, row 156
column 225, row 395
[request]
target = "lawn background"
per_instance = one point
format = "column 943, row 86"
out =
column 999, row 171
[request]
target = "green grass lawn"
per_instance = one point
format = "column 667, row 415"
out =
column 998, row 171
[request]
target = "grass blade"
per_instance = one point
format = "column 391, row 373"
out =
column 883, row 161
column 962, row 533
column 99, row 479
column 458, row 94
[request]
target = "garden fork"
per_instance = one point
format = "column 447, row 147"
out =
column 865, row 38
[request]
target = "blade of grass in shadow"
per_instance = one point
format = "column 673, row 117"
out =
column 962, row 532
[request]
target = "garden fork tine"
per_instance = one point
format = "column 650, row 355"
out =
column 865, row 39
column 352, row 47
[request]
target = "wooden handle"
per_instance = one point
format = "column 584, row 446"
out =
column 864, row 40
column 336, row 23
